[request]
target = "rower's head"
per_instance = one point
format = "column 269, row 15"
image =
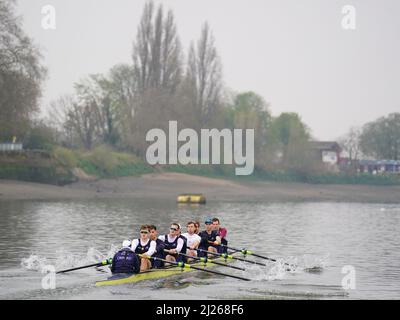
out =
column 153, row 232
column 126, row 244
column 209, row 224
column 191, row 227
column 174, row 229
column 216, row 224
column 197, row 225
column 144, row 232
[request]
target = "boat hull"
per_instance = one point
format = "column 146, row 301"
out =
column 154, row 274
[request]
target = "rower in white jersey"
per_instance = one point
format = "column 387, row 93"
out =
column 193, row 239
column 144, row 246
column 173, row 243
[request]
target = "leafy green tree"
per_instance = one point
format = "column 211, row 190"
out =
column 287, row 140
column 250, row 111
column 381, row 138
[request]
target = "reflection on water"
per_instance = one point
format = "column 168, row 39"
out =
column 322, row 238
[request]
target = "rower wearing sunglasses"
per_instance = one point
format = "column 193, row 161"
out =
column 144, row 246
column 174, row 244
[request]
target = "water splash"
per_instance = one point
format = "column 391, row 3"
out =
column 34, row 263
column 64, row 259
column 279, row 269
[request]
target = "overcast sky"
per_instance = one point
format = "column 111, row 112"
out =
column 294, row 53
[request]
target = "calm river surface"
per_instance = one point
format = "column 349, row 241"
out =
column 323, row 236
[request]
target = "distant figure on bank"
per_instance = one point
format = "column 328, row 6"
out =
column 125, row 260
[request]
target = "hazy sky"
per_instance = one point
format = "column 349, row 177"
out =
column 294, row 53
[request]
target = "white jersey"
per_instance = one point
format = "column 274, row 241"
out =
column 180, row 242
column 152, row 248
column 192, row 239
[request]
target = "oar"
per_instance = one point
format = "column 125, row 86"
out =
column 206, row 260
column 246, row 252
column 228, row 256
column 188, row 266
column 99, row 264
column 249, row 252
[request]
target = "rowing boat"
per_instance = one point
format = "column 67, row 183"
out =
column 154, row 274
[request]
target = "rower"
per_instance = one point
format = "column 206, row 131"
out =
column 144, row 246
column 182, row 258
column 210, row 241
column 125, row 260
column 173, row 243
column 222, row 233
column 160, row 246
column 193, row 239
column 197, row 225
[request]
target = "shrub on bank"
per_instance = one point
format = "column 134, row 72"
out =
column 103, row 162
column 66, row 157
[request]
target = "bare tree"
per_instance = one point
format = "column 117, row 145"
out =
column 204, row 73
column 75, row 121
column 157, row 53
column 157, row 64
column 21, row 74
column 351, row 143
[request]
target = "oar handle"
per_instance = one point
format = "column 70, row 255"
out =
column 227, row 256
column 205, row 260
column 188, row 266
column 249, row 252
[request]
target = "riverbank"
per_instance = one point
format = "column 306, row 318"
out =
column 168, row 185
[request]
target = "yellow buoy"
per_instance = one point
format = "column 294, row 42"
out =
column 191, row 198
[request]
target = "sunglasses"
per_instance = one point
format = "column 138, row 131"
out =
column 144, row 232
column 173, row 229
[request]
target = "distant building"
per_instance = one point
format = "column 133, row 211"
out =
column 328, row 152
column 379, row 166
column 11, row 146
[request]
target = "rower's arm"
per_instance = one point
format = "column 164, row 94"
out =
column 180, row 245
column 218, row 240
column 196, row 244
column 134, row 244
column 152, row 249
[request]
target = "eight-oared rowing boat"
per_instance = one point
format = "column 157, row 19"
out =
column 153, row 274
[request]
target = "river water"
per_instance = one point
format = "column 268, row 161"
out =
column 341, row 250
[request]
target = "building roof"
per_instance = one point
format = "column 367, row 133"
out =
column 325, row 145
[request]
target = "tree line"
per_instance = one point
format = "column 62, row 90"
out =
column 161, row 83
column 379, row 139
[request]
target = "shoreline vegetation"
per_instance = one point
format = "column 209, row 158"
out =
column 63, row 166
column 99, row 130
column 103, row 173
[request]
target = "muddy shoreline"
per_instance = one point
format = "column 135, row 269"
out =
column 169, row 185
